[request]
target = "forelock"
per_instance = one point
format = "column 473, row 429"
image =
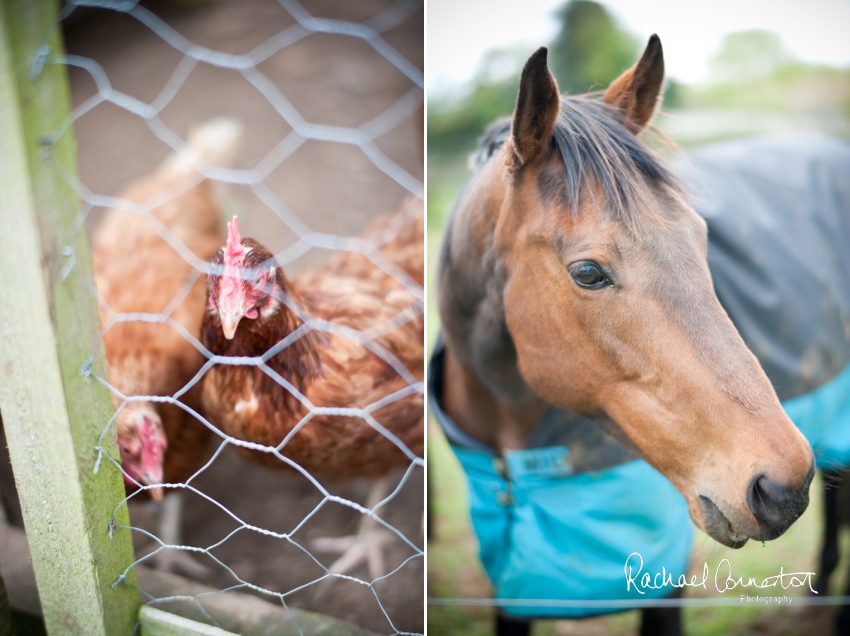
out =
column 598, row 155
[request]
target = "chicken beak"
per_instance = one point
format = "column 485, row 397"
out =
column 229, row 322
column 156, row 493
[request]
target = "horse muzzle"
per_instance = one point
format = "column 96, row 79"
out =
column 774, row 507
column 718, row 526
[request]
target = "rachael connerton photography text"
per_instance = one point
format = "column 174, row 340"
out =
column 723, row 579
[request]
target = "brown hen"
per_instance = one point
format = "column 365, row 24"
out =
column 138, row 272
column 253, row 308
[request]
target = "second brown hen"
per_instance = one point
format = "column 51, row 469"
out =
column 143, row 277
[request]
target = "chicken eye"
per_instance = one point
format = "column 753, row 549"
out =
column 589, row 275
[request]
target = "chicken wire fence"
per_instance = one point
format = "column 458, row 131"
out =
column 363, row 137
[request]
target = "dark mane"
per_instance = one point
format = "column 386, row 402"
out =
column 593, row 144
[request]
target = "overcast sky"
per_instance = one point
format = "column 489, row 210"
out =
column 460, row 31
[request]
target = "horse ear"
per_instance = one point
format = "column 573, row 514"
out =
column 537, row 108
column 637, row 92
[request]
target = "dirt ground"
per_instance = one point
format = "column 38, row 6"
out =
column 327, row 78
column 335, row 188
column 279, row 502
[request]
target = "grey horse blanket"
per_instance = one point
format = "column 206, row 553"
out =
column 778, row 212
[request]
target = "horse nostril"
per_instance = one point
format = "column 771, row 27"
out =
column 767, row 503
column 775, row 505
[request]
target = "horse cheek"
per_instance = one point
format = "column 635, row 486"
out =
column 552, row 351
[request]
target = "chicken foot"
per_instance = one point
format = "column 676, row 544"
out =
column 367, row 545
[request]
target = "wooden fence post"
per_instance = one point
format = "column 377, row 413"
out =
column 49, row 326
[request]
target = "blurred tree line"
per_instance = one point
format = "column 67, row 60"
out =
column 752, row 70
column 755, row 70
column 589, row 52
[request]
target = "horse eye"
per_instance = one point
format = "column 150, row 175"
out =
column 587, row 274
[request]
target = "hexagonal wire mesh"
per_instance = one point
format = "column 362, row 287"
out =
column 300, row 240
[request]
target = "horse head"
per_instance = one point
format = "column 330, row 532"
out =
column 575, row 258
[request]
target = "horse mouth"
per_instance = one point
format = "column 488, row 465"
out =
column 718, row 526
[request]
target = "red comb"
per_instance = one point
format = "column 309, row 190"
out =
column 234, row 253
column 230, row 294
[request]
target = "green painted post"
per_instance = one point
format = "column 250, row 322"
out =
column 49, row 324
column 155, row 622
